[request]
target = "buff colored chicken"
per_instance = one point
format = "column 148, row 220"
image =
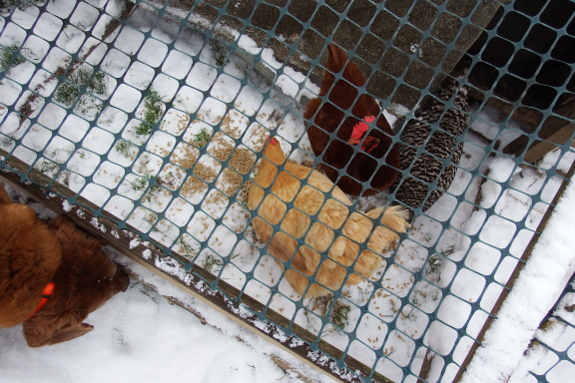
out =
column 368, row 163
column 313, row 193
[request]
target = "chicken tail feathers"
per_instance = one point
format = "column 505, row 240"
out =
column 394, row 217
column 336, row 62
column 393, row 222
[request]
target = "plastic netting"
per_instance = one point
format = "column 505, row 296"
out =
column 156, row 113
column 551, row 350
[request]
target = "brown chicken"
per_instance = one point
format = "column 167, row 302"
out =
column 313, row 193
column 329, row 116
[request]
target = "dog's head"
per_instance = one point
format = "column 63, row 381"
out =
column 85, row 280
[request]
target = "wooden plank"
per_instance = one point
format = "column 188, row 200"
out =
column 527, row 116
column 224, row 300
column 426, row 366
column 554, row 130
column 539, row 149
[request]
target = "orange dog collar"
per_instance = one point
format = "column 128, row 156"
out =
column 44, row 298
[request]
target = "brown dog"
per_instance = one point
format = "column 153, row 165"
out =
column 36, row 258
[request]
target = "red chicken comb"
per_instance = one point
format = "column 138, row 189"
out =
column 272, row 140
column 360, row 128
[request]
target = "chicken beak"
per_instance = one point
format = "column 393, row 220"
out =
column 370, row 143
column 353, row 141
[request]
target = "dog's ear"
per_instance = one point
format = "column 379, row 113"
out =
column 46, row 328
column 36, row 337
column 70, row 333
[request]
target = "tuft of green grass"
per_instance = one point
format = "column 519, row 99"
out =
column 67, row 94
column 9, row 58
column 154, row 187
column 64, row 177
column 123, row 147
column 153, row 107
column 143, row 129
column 152, row 113
column 339, row 315
column 46, row 167
column 432, row 270
column 202, row 138
column 5, row 141
column 185, row 246
column 219, row 53
column 97, row 84
column 138, row 184
column 151, row 218
column 210, row 261
column 220, row 59
column 8, row 5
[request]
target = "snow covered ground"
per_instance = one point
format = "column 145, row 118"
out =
column 212, row 112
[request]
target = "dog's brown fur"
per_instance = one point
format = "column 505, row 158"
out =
column 32, row 254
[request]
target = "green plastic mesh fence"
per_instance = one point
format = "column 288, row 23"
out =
column 372, row 172
column 551, row 350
